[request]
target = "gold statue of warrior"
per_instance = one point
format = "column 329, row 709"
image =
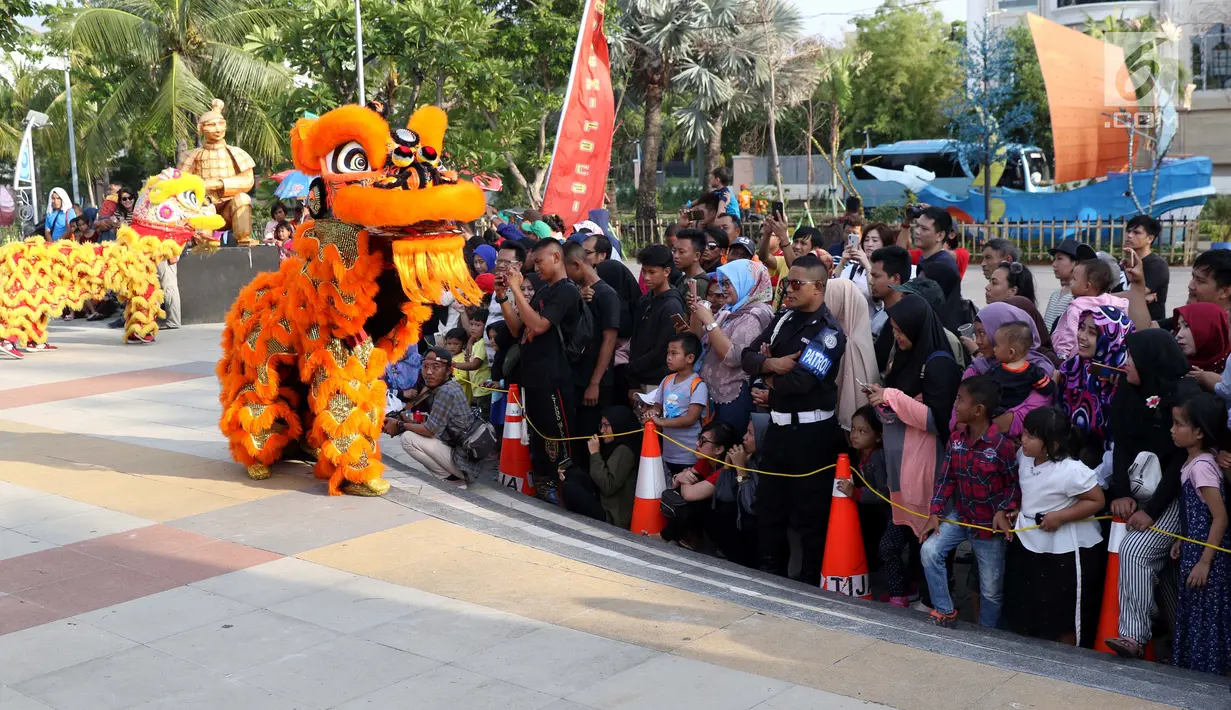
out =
column 227, row 171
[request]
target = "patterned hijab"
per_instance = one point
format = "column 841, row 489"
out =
column 1088, row 390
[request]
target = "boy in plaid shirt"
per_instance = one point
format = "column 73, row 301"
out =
column 976, row 485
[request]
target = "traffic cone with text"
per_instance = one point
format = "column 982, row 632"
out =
column 648, row 518
column 1109, row 612
column 844, row 568
column 515, row 448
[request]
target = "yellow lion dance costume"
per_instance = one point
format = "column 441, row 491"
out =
column 304, row 347
column 38, row 279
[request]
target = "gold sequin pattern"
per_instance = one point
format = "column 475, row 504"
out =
column 343, row 442
column 256, row 410
column 262, row 374
column 338, row 350
column 286, row 324
column 314, row 332
column 340, row 407
column 340, row 234
column 253, row 337
column 260, row 438
column 276, row 347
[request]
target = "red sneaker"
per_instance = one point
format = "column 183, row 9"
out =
column 42, row 348
column 10, row 351
column 135, row 339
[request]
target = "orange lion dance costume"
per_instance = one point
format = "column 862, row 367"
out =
column 304, row 347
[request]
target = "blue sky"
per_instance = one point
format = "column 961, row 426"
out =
column 837, row 14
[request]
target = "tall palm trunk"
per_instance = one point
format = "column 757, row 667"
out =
column 713, row 151
column 647, row 189
column 774, row 166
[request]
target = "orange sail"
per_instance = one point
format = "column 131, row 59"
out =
column 1075, row 70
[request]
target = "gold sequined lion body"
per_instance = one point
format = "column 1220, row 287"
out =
column 304, row 347
column 38, row 279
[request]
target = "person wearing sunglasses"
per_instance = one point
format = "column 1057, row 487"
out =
column 798, row 356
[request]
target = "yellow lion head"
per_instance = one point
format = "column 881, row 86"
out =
column 172, row 205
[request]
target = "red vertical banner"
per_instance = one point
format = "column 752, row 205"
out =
column 582, row 155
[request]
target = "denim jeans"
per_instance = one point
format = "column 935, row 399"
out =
column 990, row 555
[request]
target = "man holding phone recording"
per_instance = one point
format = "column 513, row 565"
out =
column 798, row 355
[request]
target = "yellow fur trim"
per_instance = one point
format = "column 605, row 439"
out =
column 427, row 266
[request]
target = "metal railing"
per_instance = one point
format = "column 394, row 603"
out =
column 1178, row 243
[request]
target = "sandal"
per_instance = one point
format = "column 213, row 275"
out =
column 1126, row 648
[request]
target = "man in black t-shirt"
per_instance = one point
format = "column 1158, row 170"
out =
column 1139, row 235
column 592, row 374
column 542, row 325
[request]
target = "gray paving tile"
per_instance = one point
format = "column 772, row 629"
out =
column 12, row 700
column 298, row 521
column 557, row 661
column 220, row 694
column 275, row 582
column 798, row 697
column 37, row 510
column 164, row 614
column 450, row 688
column 15, row 544
column 12, row 493
column 117, row 681
column 244, row 641
column 44, row 649
column 451, row 631
column 336, row 671
column 83, row 526
column 358, row 604
column 671, row 682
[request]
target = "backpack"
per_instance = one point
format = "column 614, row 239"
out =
column 580, row 337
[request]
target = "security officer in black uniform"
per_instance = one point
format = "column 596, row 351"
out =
column 798, row 356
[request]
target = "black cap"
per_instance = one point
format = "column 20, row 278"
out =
column 744, row 242
column 1075, row 249
column 925, row 288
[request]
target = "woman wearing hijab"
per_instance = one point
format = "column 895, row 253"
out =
column 987, row 322
column 1088, row 379
column 1204, row 335
column 953, row 312
column 1141, row 423
column 915, row 405
column 848, row 305
column 59, row 212
column 484, row 259
column 605, row 488
column 725, row 334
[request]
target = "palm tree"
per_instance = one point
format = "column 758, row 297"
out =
column 838, row 67
column 174, row 57
column 660, row 37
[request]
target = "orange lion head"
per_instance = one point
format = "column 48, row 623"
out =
column 389, row 182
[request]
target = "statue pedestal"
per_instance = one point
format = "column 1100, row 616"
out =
column 209, row 284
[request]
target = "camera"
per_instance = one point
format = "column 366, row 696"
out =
column 913, row 212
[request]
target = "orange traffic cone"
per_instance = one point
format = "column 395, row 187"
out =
column 844, row 568
column 1109, row 612
column 648, row 518
column 515, row 448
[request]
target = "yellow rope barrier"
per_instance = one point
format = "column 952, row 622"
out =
column 865, row 483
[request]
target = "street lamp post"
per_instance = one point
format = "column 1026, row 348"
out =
column 359, row 51
column 72, row 133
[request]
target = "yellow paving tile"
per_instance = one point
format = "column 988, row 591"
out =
column 504, row 549
column 128, row 458
column 125, row 493
column 434, row 530
column 769, row 645
column 658, row 617
column 230, row 480
column 1031, row 692
column 373, row 555
column 594, row 571
column 14, row 426
column 910, row 679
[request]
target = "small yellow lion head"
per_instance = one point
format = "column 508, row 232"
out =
column 172, row 205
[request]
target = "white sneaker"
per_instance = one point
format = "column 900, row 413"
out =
column 9, row 351
column 42, row 348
